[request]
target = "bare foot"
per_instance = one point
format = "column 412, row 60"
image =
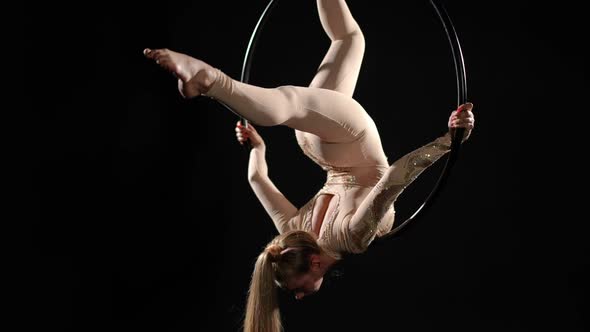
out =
column 195, row 77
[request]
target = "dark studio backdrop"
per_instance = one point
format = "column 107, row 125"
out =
column 143, row 219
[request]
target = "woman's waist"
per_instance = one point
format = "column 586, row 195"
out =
column 366, row 176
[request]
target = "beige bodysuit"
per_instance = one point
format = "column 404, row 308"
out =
column 336, row 133
column 363, row 195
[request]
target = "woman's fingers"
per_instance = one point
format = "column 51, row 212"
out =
column 242, row 133
column 462, row 119
column 243, row 130
column 462, row 124
column 465, row 107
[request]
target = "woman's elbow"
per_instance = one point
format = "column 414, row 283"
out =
column 255, row 177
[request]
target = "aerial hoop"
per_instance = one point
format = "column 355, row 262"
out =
column 461, row 77
column 461, row 99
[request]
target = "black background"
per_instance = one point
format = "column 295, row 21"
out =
column 142, row 217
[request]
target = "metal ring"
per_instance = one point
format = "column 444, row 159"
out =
column 461, row 99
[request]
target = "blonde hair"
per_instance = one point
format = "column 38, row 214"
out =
column 286, row 256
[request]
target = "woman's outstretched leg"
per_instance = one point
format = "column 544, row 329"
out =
column 341, row 65
column 330, row 115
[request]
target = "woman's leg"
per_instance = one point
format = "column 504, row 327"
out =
column 332, row 116
column 341, row 65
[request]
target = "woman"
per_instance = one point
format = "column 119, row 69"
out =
column 356, row 203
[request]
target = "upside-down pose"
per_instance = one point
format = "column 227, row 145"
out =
column 356, row 203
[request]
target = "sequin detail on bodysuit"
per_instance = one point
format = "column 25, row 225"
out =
column 398, row 177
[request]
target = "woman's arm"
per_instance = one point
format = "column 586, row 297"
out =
column 363, row 225
column 278, row 207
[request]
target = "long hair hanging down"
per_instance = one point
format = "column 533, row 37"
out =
column 274, row 266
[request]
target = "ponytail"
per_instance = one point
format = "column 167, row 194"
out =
column 287, row 255
column 262, row 311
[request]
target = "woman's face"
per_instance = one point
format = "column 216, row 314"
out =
column 305, row 284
